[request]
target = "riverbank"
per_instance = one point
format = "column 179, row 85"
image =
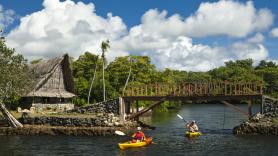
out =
column 60, row 130
column 258, row 125
column 76, row 124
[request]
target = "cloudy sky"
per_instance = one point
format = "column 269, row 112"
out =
column 185, row 35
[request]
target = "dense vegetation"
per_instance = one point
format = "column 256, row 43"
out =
column 144, row 72
column 15, row 78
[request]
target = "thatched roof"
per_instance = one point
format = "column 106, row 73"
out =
column 48, row 84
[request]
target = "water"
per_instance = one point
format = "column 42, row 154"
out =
column 215, row 121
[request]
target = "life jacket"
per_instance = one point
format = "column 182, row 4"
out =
column 139, row 135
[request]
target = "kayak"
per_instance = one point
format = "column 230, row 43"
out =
column 192, row 134
column 129, row 144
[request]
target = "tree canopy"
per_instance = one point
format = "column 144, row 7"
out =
column 15, row 78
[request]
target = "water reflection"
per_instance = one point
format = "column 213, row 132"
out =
column 168, row 137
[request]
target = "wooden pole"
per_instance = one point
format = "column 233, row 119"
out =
column 250, row 108
column 137, row 106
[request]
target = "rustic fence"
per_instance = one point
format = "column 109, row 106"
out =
column 195, row 89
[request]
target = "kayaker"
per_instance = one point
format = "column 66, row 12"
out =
column 192, row 126
column 138, row 135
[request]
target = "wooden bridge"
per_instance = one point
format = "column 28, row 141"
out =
column 193, row 91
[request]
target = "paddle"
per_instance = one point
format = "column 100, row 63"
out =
column 181, row 118
column 123, row 134
column 120, row 133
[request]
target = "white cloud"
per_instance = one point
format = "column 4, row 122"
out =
column 6, row 17
column 64, row 27
column 226, row 17
column 258, row 38
column 274, row 32
column 75, row 28
column 257, row 52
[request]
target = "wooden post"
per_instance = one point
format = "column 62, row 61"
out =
column 155, row 92
column 179, row 90
column 158, row 89
column 250, row 108
column 261, row 89
column 262, row 105
column 131, row 107
column 146, row 90
column 231, row 89
column 195, row 88
column 137, row 106
column 235, row 89
column 225, row 92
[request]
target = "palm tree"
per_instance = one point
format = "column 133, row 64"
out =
column 104, row 48
column 92, row 82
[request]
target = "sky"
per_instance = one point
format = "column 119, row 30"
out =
column 187, row 35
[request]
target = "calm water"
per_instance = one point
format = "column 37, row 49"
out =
column 215, row 121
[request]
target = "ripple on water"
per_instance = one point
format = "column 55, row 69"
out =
column 169, row 138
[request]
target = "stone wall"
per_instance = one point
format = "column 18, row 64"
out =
column 110, row 106
column 258, row 125
column 270, row 107
column 56, row 107
column 103, row 120
column 50, row 130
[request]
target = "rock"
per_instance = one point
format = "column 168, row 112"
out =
column 117, row 124
column 110, row 124
column 32, row 110
column 19, row 109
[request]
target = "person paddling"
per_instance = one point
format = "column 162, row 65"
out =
column 138, row 135
column 192, row 126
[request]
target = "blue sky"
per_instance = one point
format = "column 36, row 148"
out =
column 173, row 33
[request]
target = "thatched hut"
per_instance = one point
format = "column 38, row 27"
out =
column 55, row 87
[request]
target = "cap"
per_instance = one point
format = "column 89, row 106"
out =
column 139, row 128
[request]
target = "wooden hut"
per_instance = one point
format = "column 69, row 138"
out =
column 55, row 87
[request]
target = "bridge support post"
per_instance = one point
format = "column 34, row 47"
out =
column 250, row 108
column 122, row 109
column 137, row 106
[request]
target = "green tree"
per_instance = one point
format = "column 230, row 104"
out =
column 83, row 72
column 236, row 71
column 15, row 79
column 268, row 71
column 142, row 71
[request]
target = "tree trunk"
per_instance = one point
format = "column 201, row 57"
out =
column 103, row 64
column 88, row 101
column 126, row 81
column 8, row 117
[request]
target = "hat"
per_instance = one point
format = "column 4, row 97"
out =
column 193, row 121
column 138, row 128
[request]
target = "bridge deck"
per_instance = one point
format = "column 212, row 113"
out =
column 218, row 91
column 185, row 90
column 185, row 98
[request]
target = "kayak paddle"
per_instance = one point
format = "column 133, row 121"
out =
column 181, row 118
column 120, row 133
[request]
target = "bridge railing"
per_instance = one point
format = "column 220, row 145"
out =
column 195, row 89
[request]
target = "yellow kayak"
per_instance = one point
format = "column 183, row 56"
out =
column 192, row 134
column 129, row 144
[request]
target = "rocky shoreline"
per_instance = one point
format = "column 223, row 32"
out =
column 258, row 125
column 103, row 120
column 100, row 124
column 60, row 130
